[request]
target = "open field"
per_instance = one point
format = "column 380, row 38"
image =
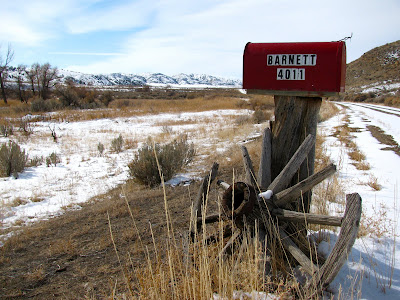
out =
column 74, row 255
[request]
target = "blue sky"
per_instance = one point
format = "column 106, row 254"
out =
column 183, row 36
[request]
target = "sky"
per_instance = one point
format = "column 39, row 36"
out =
column 183, row 36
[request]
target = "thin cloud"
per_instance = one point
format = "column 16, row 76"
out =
column 125, row 16
column 87, row 53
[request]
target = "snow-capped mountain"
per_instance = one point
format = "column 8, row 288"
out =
column 114, row 79
column 120, row 79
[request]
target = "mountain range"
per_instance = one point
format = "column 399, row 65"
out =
column 120, row 79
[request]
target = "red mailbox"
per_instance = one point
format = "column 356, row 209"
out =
column 299, row 69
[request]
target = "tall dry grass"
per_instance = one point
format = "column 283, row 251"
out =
column 185, row 268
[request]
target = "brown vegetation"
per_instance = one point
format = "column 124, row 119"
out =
column 127, row 242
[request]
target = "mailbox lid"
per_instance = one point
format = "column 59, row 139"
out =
column 305, row 68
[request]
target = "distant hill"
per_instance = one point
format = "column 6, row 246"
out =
column 148, row 79
column 154, row 79
column 379, row 67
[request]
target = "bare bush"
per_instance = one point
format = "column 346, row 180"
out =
column 6, row 129
column 243, row 119
column 100, row 148
column 25, row 126
column 40, row 105
column 53, row 159
column 13, row 159
column 260, row 116
column 172, row 157
column 117, row 144
column 36, row 161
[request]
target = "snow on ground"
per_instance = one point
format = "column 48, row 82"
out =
column 378, row 87
column 374, row 258
column 41, row 192
column 372, row 270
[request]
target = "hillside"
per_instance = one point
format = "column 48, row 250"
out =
column 120, row 79
column 380, row 65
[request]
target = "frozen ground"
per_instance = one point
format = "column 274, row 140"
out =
column 372, row 270
column 41, row 192
column 374, row 258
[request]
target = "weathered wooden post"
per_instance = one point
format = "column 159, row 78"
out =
column 298, row 75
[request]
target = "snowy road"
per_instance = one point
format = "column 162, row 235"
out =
column 375, row 256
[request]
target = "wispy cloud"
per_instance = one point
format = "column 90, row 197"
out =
column 87, row 53
column 121, row 15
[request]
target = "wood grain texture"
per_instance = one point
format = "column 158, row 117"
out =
column 248, row 167
column 295, row 118
column 300, row 217
column 301, row 258
column 264, row 170
column 344, row 243
column 284, row 197
column 285, row 176
column 203, row 192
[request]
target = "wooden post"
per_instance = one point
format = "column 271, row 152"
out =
column 248, row 168
column 264, row 171
column 202, row 195
column 295, row 118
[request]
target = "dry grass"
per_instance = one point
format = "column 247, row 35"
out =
column 344, row 134
column 62, row 246
column 182, row 268
column 373, row 183
column 328, row 110
column 164, row 272
column 327, row 196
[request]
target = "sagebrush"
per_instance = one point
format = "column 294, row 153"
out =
column 13, row 159
column 117, row 144
column 53, row 159
column 172, row 157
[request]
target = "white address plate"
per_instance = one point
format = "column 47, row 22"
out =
column 290, row 74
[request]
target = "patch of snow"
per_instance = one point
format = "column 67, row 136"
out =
column 381, row 87
column 372, row 270
column 82, row 173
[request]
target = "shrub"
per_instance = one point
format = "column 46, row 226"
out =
column 6, row 129
column 53, row 159
column 259, row 117
column 25, row 126
column 40, row 105
column 36, row 161
column 12, row 159
column 100, row 148
column 172, row 157
column 117, row 143
column 68, row 96
column 243, row 119
column 106, row 98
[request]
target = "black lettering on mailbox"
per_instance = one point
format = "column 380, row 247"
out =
column 290, row 74
column 291, row 59
column 313, row 62
column 298, row 58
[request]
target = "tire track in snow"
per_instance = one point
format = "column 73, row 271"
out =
column 377, row 132
column 375, row 108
